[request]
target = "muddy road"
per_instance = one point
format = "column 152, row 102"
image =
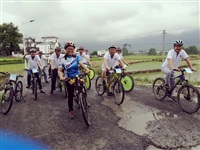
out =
column 140, row 123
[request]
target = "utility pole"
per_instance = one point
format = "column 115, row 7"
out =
column 163, row 45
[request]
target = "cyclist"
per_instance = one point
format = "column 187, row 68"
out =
column 87, row 54
column 69, row 64
column 55, row 59
column 49, row 63
column 172, row 63
column 119, row 51
column 84, row 57
column 33, row 61
column 43, row 59
column 110, row 60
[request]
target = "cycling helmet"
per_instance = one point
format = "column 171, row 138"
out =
column 40, row 52
column 178, row 42
column 112, row 46
column 81, row 48
column 118, row 49
column 32, row 50
column 70, row 43
column 58, row 49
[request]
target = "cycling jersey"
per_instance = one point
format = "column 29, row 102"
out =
column 70, row 66
column 32, row 61
column 111, row 61
column 176, row 58
column 83, row 57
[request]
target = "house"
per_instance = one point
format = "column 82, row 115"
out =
column 101, row 52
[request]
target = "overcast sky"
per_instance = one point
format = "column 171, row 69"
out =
column 95, row 23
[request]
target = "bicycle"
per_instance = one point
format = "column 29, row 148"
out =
column 127, row 81
column 80, row 95
column 41, row 74
column 87, row 79
column 12, row 88
column 34, row 82
column 60, row 85
column 92, row 72
column 187, row 94
column 115, row 84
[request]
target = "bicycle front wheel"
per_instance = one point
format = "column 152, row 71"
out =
column 65, row 90
column 99, row 86
column 118, row 92
column 18, row 91
column 91, row 74
column 35, row 86
column 87, row 82
column 7, row 100
column 128, row 83
column 84, row 108
column 159, row 88
column 188, row 98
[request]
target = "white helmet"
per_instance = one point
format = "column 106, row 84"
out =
column 178, row 42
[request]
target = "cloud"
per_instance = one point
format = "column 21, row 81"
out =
column 101, row 22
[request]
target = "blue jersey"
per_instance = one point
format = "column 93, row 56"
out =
column 70, row 66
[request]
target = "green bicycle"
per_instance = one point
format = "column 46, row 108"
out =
column 115, row 84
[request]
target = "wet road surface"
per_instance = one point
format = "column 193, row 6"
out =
column 139, row 123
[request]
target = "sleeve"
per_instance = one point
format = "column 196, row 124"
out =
column 27, row 57
column 106, row 56
column 38, row 58
column 61, row 64
column 185, row 55
column 169, row 55
column 78, row 59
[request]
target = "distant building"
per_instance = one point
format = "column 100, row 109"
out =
column 101, row 52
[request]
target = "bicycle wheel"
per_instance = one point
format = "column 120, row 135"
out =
column 65, row 90
column 84, row 108
column 87, row 82
column 118, row 92
column 18, row 91
column 35, row 89
column 91, row 74
column 159, row 88
column 7, row 100
column 128, row 83
column 59, row 84
column 99, row 86
column 188, row 98
column 84, row 91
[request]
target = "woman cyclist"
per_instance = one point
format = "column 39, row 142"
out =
column 69, row 64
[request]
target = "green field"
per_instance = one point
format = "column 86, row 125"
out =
column 12, row 68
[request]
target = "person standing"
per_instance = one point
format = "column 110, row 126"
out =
column 69, row 65
column 55, row 59
column 43, row 59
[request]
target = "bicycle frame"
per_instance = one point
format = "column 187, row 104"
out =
column 114, row 76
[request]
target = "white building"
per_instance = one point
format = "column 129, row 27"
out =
column 101, row 52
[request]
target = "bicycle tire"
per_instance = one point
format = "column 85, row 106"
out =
column 127, row 82
column 87, row 82
column 158, row 86
column 59, row 84
column 19, row 90
column 84, row 108
column 190, row 92
column 7, row 99
column 99, row 86
column 65, row 90
column 92, row 73
column 118, row 88
column 84, row 91
column 35, row 89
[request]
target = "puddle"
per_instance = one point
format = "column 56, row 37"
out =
column 138, row 123
column 151, row 147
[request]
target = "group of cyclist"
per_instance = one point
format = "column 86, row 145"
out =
column 67, row 65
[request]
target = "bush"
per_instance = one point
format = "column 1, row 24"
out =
column 11, row 61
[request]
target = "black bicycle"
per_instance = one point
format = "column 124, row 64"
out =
column 34, row 82
column 12, row 88
column 187, row 96
column 80, row 96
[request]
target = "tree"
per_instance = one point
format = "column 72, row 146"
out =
column 152, row 51
column 10, row 38
column 192, row 50
column 94, row 53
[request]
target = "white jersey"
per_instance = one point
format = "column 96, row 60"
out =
column 111, row 61
column 87, row 56
column 43, row 59
column 32, row 62
column 56, row 59
column 83, row 57
column 176, row 58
